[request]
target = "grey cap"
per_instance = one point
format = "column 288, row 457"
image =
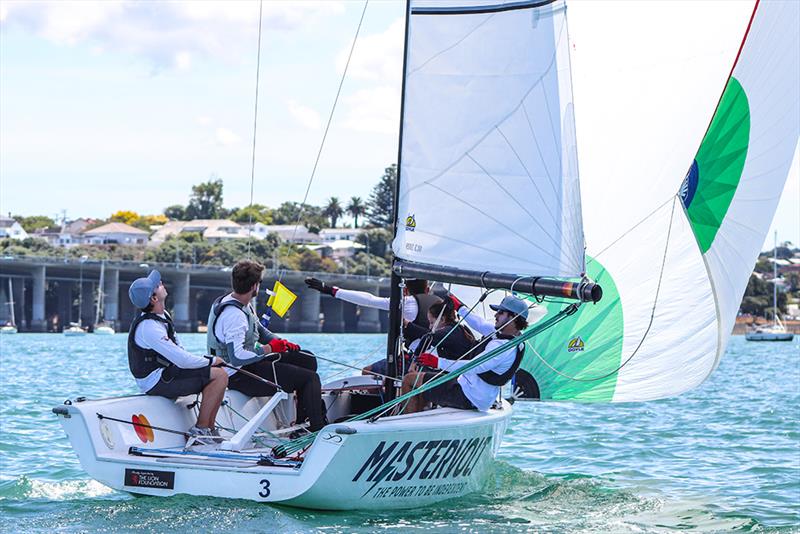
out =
column 512, row 305
column 143, row 288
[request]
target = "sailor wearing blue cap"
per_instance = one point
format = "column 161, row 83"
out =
column 477, row 388
column 160, row 364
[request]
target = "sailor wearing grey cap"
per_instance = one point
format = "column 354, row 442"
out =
column 160, row 364
column 478, row 387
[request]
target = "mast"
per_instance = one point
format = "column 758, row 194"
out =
column 775, row 282
column 11, row 302
column 99, row 314
column 396, row 297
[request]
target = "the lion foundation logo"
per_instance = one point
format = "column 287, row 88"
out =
column 575, row 344
column 411, row 223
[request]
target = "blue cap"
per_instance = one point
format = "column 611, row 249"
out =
column 512, row 305
column 143, row 288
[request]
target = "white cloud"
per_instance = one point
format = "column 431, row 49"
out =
column 374, row 110
column 203, row 120
column 161, row 31
column 226, row 137
column 183, row 60
column 304, row 115
column 376, row 57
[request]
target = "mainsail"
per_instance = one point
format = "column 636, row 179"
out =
column 673, row 280
column 488, row 165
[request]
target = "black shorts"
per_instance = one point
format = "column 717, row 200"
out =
column 176, row 382
column 449, row 394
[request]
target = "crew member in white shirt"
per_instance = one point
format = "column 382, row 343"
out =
column 160, row 364
column 479, row 387
column 416, row 302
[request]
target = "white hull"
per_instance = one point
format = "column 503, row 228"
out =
column 396, row 462
column 104, row 331
column 8, row 330
column 74, row 331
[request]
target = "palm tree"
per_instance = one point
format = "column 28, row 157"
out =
column 355, row 208
column 333, row 210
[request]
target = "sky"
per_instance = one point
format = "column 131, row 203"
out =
column 109, row 105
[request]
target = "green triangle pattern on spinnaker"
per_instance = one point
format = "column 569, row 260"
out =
column 584, row 346
column 717, row 169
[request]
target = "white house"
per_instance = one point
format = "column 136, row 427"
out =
column 211, row 229
column 115, row 232
column 287, row 233
column 9, row 228
column 329, row 235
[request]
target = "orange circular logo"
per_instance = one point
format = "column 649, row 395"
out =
column 145, row 433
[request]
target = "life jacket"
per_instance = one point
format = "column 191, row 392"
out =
column 498, row 379
column 452, row 346
column 143, row 361
column 215, row 345
column 424, row 303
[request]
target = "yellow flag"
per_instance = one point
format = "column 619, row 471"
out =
column 281, row 299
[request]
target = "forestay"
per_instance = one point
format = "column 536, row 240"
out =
column 673, row 268
column 488, row 164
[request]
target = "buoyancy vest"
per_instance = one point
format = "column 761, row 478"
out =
column 143, row 361
column 500, row 379
column 452, row 346
column 255, row 332
column 424, row 303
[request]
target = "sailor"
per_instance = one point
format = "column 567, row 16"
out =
column 235, row 335
column 479, row 387
column 416, row 302
column 160, row 364
column 446, row 338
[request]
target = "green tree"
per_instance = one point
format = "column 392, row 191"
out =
column 381, row 200
column 377, row 241
column 309, row 216
column 255, row 213
column 206, row 200
column 333, row 210
column 35, row 222
column 356, row 208
column 176, row 212
column 367, row 264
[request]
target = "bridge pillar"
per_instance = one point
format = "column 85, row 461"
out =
column 65, row 301
column 111, row 298
column 305, row 316
column 18, row 291
column 5, row 300
column 333, row 310
column 369, row 320
column 38, row 319
column 86, row 311
column 180, row 302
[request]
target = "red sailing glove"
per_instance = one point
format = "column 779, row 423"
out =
column 279, row 345
column 292, row 346
column 428, row 360
column 456, row 303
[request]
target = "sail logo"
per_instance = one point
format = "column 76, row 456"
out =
column 575, row 344
column 411, row 223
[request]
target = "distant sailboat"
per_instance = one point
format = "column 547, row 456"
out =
column 76, row 328
column 776, row 331
column 101, row 328
column 11, row 326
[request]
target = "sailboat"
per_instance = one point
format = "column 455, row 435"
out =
column 776, row 331
column 11, row 326
column 100, row 326
column 631, row 308
column 76, row 329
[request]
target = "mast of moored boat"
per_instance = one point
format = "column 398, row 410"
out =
column 11, row 302
column 775, row 282
column 99, row 311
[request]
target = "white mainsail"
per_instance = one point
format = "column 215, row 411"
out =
column 488, row 164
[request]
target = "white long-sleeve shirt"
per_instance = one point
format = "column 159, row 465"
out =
column 368, row 300
column 231, row 327
column 480, row 393
column 152, row 334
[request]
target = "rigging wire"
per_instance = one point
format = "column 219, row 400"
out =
column 255, row 124
column 325, row 133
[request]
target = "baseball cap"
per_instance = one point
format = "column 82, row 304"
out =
column 512, row 305
column 143, row 288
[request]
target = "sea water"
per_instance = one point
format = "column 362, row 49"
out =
column 723, row 457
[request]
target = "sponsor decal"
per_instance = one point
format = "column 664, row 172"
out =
column 575, row 344
column 142, row 427
column 143, row 478
column 411, row 223
column 413, row 469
